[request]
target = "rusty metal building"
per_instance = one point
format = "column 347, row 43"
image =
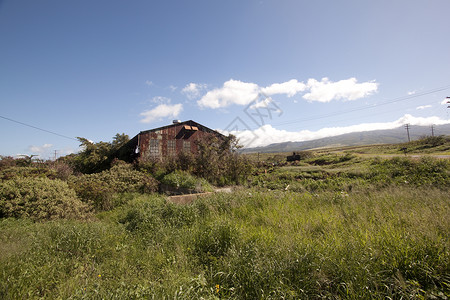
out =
column 168, row 140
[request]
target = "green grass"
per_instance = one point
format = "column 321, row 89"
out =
column 439, row 145
column 333, row 226
column 251, row 244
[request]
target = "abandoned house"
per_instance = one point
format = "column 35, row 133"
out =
column 166, row 141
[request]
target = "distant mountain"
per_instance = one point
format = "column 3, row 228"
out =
column 391, row 136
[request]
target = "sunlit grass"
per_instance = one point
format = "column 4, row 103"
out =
column 335, row 227
column 252, row 244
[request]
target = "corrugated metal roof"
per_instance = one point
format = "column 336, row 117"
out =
column 190, row 123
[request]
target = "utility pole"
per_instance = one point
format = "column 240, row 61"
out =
column 56, row 151
column 432, row 130
column 407, row 126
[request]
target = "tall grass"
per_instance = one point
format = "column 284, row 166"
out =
column 252, row 244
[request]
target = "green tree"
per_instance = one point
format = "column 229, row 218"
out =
column 97, row 157
column 119, row 140
column 218, row 161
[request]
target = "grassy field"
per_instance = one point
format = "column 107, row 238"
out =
column 335, row 225
column 433, row 146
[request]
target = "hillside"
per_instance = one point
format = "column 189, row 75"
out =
column 392, row 136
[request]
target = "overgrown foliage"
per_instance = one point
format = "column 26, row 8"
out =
column 216, row 160
column 100, row 189
column 345, row 173
column 96, row 157
column 334, row 226
column 52, row 170
column 390, row 243
column 425, row 171
column 39, row 199
column 183, row 180
column 430, row 142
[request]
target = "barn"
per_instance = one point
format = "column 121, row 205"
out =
column 167, row 141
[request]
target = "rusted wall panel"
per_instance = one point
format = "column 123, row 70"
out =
column 158, row 143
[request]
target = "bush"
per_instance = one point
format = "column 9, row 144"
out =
column 426, row 171
column 40, row 199
column 184, row 180
column 52, row 170
column 155, row 167
column 99, row 188
column 216, row 160
column 26, row 172
column 331, row 159
column 431, row 141
column 7, row 161
column 60, row 169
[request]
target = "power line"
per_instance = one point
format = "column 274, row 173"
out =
column 366, row 107
column 38, row 128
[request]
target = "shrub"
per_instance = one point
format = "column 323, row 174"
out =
column 61, row 169
column 22, row 172
column 302, row 155
column 216, row 160
column 52, row 170
column 331, row 159
column 154, row 167
column 7, row 161
column 426, row 171
column 432, row 141
column 184, row 180
column 99, row 188
column 39, row 199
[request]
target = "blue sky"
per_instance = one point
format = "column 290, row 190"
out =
column 269, row 71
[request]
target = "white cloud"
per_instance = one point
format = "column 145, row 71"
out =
column 172, row 88
column 445, row 101
column 423, row 107
column 243, row 93
column 265, row 102
column 290, row 88
column 43, row 152
column 410, row 93
column 267, row 135
column 232, row 92
column 67, row 151
column 347, row 89
column 149, row 83
column 40, row 149
column 193, row 90
column 161, row 100
column 160, row 112
column 420, row 121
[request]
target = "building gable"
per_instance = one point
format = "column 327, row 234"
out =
column 167, row 141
